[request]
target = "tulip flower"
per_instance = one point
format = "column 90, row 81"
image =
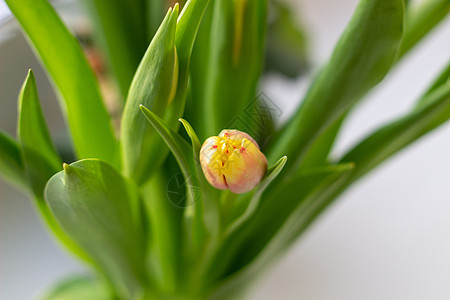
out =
column 232, row 161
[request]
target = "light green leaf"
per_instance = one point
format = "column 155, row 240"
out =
column 361, row 59
column 78, row 287
column 62, row 56
column 101, row 212
column 396, row 135
column 420, row 19
column 153, row 86
column 11, row 162
column 40, row 157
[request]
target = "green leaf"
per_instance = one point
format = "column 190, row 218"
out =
column 164, row 235
column 361, row 59
column 76, row 288
column 101, row 212
column 396, row 135
column 40, row 157
column 62, row 56
column 312, row 191
column 153, row 86
column 120, row 28
column 420, row 20
column 234, row 65
column 187, row 28
column 255, row 199
column 442, row 79
column 11, row 162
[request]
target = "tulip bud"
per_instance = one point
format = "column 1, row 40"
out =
column 232, row 161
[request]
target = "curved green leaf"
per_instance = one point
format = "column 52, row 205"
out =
column 420, row 20
column 396, row 135
column 40, row 157
column 78, row 287
column 101, row 212
column 361, row 59
column 153, row 86
column 62, row 56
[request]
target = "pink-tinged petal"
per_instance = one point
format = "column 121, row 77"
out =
column 233, row 161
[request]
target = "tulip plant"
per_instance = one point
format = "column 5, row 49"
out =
column 152, row 212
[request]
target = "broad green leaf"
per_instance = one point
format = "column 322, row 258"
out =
column 361, row 59
column 101, row 211
column 11, row 162
column 120, row 28
column 322, row 183
column 420, row 19
column 78, row 287
column 234, row 65
column 396, row 135
column 64, row 60
column 153, row 86
column 41, row 160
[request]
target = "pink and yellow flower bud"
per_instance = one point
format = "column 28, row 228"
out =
column 232, row 161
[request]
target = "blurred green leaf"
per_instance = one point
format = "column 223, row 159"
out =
column 120, row 27
column 62, row 56
column 442, row 79
column 420, row 19
column 287, row 43
column 285, row 202
column 40, row 157
column 78, row 287
column 153, row 86
column 101, row 212
column 396, row 135
column 362, row 57
column 234, row 65
column 11, row 162
column 255, row 198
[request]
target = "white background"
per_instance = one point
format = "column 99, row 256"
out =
column 387, row 238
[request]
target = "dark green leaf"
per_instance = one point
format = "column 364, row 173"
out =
column 62, row 56
column 101, row 212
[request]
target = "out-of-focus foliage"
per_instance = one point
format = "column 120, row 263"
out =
column 135, row 206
